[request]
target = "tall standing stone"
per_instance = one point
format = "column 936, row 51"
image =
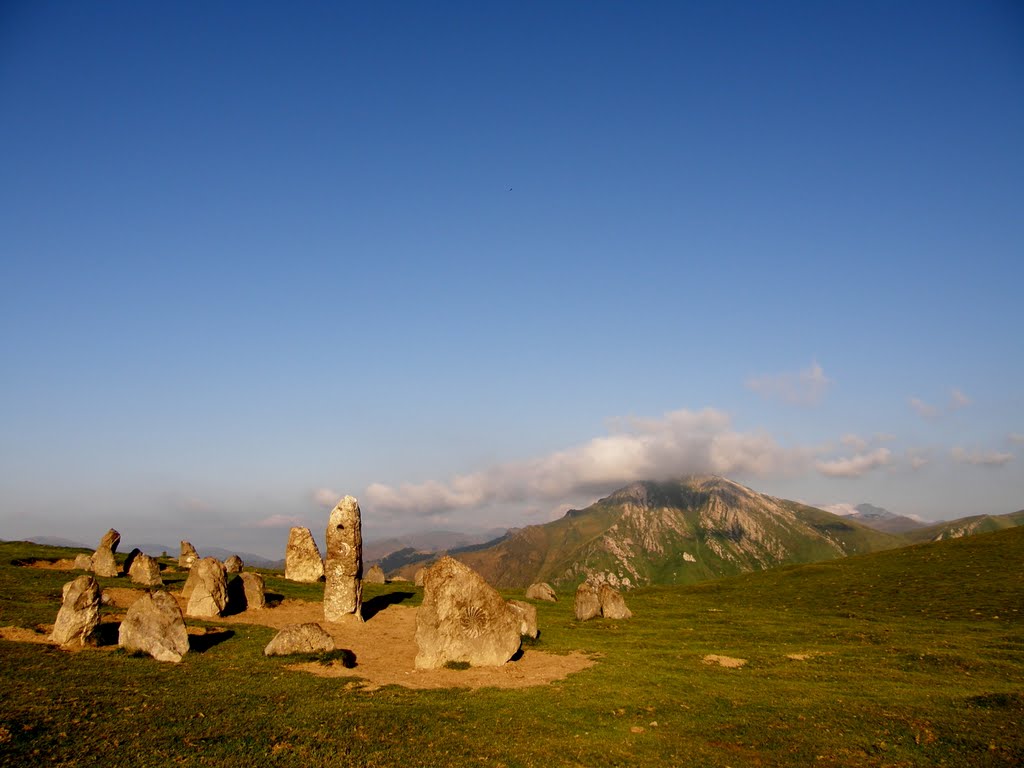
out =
column 79, row 612
column 613, row 605
column 188, row 556
column 210, row 590
column 343, row 567
column 103, row 562
column 145, row 570
column 154, row 625
column 588, row 602
column 302, row 561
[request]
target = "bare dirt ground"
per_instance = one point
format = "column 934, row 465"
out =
column 384, row 647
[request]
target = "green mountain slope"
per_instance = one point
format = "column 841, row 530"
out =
column 676, row 532
column 967, row 526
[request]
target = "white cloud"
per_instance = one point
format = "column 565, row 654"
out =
column 981, row 458
column 806, row 387
column 326, row 497
column 278, row 521
column 841, row 508
column 958, row 400
column 679, row 443
column 854, row 442
column 923, row 409
column 856, row 465
column 917, row 462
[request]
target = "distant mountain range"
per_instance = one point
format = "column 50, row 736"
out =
column 884, row 520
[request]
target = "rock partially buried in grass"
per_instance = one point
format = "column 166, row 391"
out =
column 300, row 638
column 613, row 605
column 724, row 661
column 302, row 561
column 79, row 613
column 154, row 625
column 541, row 591
column 375, row 575
column 145, row 570
column 588, row 602
column 343, row 566
column 209, row 595
column 103, row 562
column 527, row 618
column 463, row 618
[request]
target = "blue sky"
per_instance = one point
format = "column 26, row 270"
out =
column 476, row 262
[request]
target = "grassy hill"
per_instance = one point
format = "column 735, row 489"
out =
column 966, row 526
column 909, row 657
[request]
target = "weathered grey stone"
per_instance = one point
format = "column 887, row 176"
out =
column 299, row 638
column 527, row 618
column 417, row 578
column 246, row 591
column 209, row 595
column 83, row 562
column 302, row 561
column 463, row 618
column 154, row 625
column 145, row 570
column 233, row 564
column 103, row 562
column 126, row 566
column 588, row 602
column 79, row 613
column 375, row 575
column 188, row 556
column 541, row 591
column 613, row 605
column 343, row 566
column 189, row 586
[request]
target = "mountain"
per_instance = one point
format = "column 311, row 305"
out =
column 424, row 543
column 884, row 520
column 967, row 526
column 676, row 532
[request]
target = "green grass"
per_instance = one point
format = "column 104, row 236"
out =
column 916, row 659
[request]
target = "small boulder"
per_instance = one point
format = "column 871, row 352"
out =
column 417, row 579
column 83, row 562
column 245, row 592
column 103, row 562
column 79, row 613
column 463, row 618
column 541, row 591
column 188, row 556
column 375, row 575
column 588, row 602
column 209, row 595
column 233, row 564
column 145, row 570
column 154, row 625
column 302, row 561
column 527, row 618
column 613, row 605
column 126, row 567
column 300, row 638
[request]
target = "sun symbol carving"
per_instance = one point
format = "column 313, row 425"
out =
column 473, row 619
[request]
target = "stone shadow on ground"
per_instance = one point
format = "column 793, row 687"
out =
column 106, row 633
column 375, row 605
column 204, row 642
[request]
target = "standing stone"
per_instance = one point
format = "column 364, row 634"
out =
column 83, row 562
column 79, row 612
column 613, row 605
column 527, row 618
column 588, row 602
column 302, row 561
column 343, row 567
column 417, row 579
column 209, row 595
column 463, row 618
column 375, row 575
column 245, row 592
column 154, row 625
column 126, row 567
column 541, row 591
column 233, row 564
column 188, row 556
column 145, row 570
column 190, row 584
column 300, row 638
column 103, row 562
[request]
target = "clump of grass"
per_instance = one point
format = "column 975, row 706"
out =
column 325, row 658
